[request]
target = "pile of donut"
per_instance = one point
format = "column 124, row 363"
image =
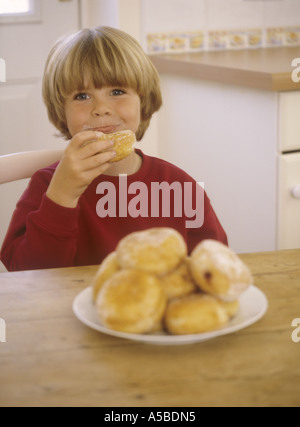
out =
column 151, row 285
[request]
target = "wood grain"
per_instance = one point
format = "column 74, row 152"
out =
column 51, row 359
column 267, row 69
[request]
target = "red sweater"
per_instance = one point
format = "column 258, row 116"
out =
column 43, row 234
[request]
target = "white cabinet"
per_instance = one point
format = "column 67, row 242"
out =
column 289, row 171
column 289, row 201
column 289, row 121
column 242, row 143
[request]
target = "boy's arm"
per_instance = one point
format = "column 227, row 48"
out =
column 44, row 229
column 42, row 234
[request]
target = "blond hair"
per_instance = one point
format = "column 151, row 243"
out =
column 105, row 57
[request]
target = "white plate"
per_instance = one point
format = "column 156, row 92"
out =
column 253, row 306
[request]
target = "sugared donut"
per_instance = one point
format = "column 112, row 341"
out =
column 231, row 307
column 218, row 271
column 155, row 250
column 131, row 301
column 108, row 267
column 178, row 282
column 194, row 314
column 124, row 143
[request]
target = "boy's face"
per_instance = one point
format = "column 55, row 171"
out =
column 107, row 110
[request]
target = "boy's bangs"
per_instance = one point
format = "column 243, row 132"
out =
column 98, row 68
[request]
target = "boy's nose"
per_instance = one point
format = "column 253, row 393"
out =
column 100, row 108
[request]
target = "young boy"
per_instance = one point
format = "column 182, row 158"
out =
column 75, row 212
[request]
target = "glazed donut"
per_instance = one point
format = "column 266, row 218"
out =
column 178, row 282
column 217, row 270
column 131, row 301
column 156, row 250
column 124, row 143
column 194, row 314
column 108, row 267
column 231, row 307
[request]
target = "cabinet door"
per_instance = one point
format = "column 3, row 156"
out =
column 289, row 201
column 289, row 123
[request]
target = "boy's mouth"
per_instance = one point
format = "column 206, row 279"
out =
column 103, row 129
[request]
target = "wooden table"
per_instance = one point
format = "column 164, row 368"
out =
column 52, row 359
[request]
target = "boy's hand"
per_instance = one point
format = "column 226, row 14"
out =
column 84, row 159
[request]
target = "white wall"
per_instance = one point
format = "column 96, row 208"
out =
column 183, row 15
column 170, row 15
column 123, row 14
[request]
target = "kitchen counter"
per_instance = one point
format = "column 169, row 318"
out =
column 268, row 69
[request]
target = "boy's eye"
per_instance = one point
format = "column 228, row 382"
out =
column 81, row 96
column 117, row 92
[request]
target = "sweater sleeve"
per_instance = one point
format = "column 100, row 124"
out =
column 41, row 234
